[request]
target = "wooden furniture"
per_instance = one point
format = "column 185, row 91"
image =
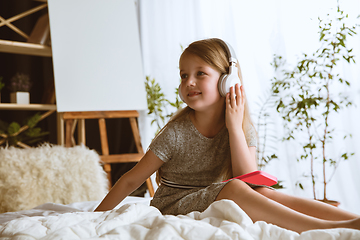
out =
column 23, row 47
column 28, row 48
column 32, row 106
column 66, row 136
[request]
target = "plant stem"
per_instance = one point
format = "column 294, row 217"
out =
column 327, row 87
column 311, row 158
column 323, row 152
column 262, row 151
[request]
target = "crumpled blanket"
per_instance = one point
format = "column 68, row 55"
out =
column 222, row 220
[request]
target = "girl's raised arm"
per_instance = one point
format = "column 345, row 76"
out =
column 243, row 158
column 130, row 181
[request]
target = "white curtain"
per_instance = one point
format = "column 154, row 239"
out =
column 257, row 30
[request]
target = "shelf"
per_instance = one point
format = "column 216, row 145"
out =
column 25, row 48
column 30, row 107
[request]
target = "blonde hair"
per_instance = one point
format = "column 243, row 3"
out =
column 214, row 52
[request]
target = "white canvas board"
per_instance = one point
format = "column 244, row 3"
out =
column 96, row 55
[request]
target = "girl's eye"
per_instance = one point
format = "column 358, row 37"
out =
column 200, row 73
column 183, row 76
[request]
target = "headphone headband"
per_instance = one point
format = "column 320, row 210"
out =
column 229, row 80
column 230, row 51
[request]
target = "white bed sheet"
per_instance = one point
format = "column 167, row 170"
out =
column 135, row 219
column 50, row 209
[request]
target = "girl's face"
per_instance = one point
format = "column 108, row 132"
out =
column 199, row 83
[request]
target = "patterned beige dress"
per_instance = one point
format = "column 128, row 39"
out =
column 192, row 166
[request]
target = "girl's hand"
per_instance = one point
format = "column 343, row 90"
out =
column 235, row 108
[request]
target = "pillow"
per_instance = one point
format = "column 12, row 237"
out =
column 49, row 173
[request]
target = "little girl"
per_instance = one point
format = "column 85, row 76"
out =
column 212, row 140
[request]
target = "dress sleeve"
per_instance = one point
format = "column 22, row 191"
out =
column 164, row 144
column 251, row 136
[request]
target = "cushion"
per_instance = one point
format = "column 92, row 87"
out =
column 49, row 173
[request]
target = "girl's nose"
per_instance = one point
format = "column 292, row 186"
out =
column 191, row 81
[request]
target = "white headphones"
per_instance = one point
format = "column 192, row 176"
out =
column 229, row 80
column 226, row 80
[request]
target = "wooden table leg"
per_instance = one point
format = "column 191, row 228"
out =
column 81, row 132
column 68, row 135
column 60, row 129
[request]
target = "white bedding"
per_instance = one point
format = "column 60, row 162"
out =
column 135, row 219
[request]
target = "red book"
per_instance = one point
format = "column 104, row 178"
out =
column 258, row 178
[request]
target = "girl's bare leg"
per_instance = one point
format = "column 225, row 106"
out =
column 261, row 208
column 307, row 206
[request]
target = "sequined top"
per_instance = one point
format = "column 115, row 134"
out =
column 191, row 159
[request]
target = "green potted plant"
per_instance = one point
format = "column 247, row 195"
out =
column 20, row 85
column 14, row 134
column 306, row 99
column 2, row 85
column 158, row 104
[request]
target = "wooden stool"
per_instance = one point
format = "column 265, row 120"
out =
column 72, row 118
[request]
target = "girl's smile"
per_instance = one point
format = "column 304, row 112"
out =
column 193, row 93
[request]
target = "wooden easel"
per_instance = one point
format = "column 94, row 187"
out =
column 70, row 119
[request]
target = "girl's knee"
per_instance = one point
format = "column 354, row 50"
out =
column 237, row 185
column 233, row 188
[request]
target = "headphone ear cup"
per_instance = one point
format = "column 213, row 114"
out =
column 222, row 85
column 227, row 81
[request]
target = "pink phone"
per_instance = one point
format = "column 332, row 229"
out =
column 257, row 177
